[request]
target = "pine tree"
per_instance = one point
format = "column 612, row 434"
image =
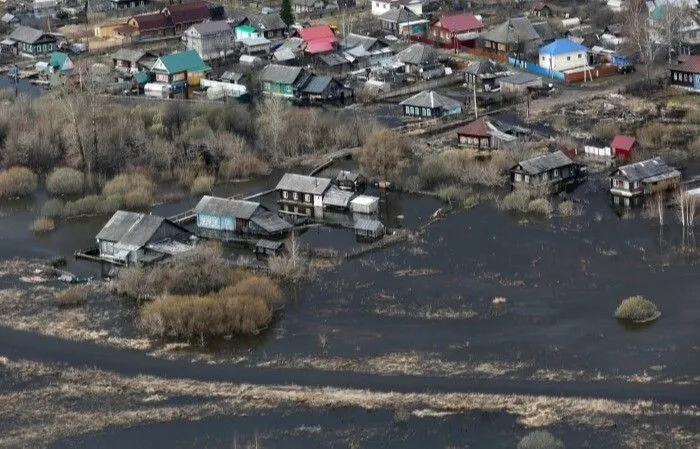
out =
column 286, row 13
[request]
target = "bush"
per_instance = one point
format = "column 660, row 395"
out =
column 42, row 225
column 242, row 166
column 259, row 287
column 438, row 170
column 540, row 439
column 637, row 309
column 65, row 181
column 17, row 182
column 83, row 206
column 52, row 208
column 460, row 196
column 518, row 200
column 567, row 209
column 202, row 184
column 138, row 198
column 539, row 206
column 124, row 184
column 605, row 130
column 72, row 296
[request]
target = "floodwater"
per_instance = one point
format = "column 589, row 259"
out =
column 25, row 87
column 561, row 279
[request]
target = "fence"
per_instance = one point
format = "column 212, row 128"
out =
column 500, row 57
column 594, row 72
column 424, row 85
column 537, row 70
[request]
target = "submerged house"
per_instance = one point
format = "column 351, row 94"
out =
column 482, row 134
column 369, row 229
column 301, row 195
column 430, row 104
column 348, row 180
column 131, row 238
column 552, row 172
column 629, row 184
column 217, row 217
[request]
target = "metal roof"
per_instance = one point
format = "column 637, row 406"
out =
column 253, row 41
column 187, row 12
column 418, row 54
column 544, row 30
column 304, row 184
column 347, row 175
column 188, row 60
column 561, row 47
column 212, row 27
column 352, row 40
column 399, row 15
column 513, row 31
column 130, row 228
column 281, row 73
column 368, row 224
column 646, row 169
column 266, row 22
column 431, row 99
column 333, row 59
column 128, row 54
column 622, row 142
column 487, row 67
column 541, row 164
column 225, row 207
column 336, row 197
column 318, row 84
column 269, row 244
column 271, row 223
column 460, row 22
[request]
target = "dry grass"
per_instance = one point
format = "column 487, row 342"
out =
column 65, row 181
column 243, row 166
column 83, row 206
column 518, row 201
column 130, row 190
column 52, row 208
column 605, row 130
column 72, row 296
column 637, row 309
column 42, row 225
column 540, row 206
column 540, row 439
column 17, row 182
column 567, row 209
column 202, row 184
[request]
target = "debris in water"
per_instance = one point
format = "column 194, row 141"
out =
column 498, row 301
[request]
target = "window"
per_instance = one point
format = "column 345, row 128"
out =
column 428, row 113
column 518, row 177
column 266, row 85
column 556, row 173
column 580, row 56
column 527, row 179
column 568, row 58
column 543, row 58
column 296, row 210
column 296, row 196
column 307, row 198
column 285, row 194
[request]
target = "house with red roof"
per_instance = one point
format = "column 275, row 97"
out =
column 686, row 72
column 458, row 30
column 622, row 146
column 318, row 39
column 151, row 24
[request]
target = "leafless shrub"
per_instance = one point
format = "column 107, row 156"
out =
column 72, row 296
column 52, row 208
column 83, row 206
column 17, row 182
column 637, row 309
column 42, row 225
column 65, row 181
column 133, row 282
column 242, row 166
column 518, row 200
column 568, row 209
column 687, row 204
column 201, row 185
column 540, row 206
column 540, row 439
column 294, row 266
column 458, row 196
column 652, row 135
column 384, row 155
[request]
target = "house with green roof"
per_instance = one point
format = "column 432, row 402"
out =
column 180, row 69
column 246, row 32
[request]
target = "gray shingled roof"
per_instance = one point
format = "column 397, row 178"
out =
column 487, row 67
column 267, row 22
column 651, row 168
column 431, row 99
column 304, row 184
column 418, row 54
column 227, row 208
column 130, row 228
column 269, row 244
column 352, row 40
column 128, row 54
column 318, row 84
column 544, row 31
column 336, row 197
column 26, row 34
column 541, row 164
column 281, row 73
column 271, row 223
column 212, row 27
column 399, row 15
column 517, row 29
column 368, row 224
column 333, row 59
column 519, row 78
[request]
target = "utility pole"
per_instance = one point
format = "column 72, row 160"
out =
column 476, row 111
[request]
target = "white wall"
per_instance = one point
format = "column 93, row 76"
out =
column 379, row 8
column 563, row 61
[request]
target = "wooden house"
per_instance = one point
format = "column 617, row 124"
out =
column 301, row 195
column 552, row 172
column 268, row 247
column 456, row 30
column 482, row 134
column 306, row 6
column 622, row 146
column 150, row 25
column 184, row 15
column 421, row 60
column 320, row 89
column 686, row 74
column 515, row 35
column 540, row 9
column 519, row 84
column 31, row 42
column 131, row 238
column 348, row 180
column 284, row 81
column 485, row 74
column 629, row 184
column 403, row 22
column 181, row 69
column 211, row 40
column 337, row 199
column 380, row 7
column 126, row 4
column 132, row 60
column 318, row 39
column 430, row 104
column 219, row 217
column 270, row 26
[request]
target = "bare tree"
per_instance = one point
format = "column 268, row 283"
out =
column 271, row 127
column 666, row 27
column 660, row 207
column 686, row 207
column 384, row 155
column 640, row 40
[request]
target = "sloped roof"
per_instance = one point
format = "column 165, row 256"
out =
column 368, row 224
column 332, row 59
column 519, row 78
column 337, row 198
column 26, row 34
column 253, row 41
column 227, row 208
column 352, row 40
column 304, row 184
column 399, row 15
column 188, row 12
column 188, row 60
column 562, row 46
column 478, row 128
column 281, row 73
column 460, row 22
column 128, row 54
column 541, row 164
column 487, row 67
column 58, row 59
column 266, row 22
column 649, row 168
column 317, row 32
column 418, row 54
column 690, row 65
column 319, row 46
column 431, row 99
column 544, row 30
column 231, row 76
column 623, row 142
column 151, row 21
column 130, row 228
column 283, row 55
column 512, row 31
column 212, row 27
column 318, row 84
column 292, row 43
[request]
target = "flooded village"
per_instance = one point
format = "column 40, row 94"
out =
column 349, row 224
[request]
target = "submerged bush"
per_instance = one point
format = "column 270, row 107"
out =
column 567, row 208
column 637, row 309
column 539, row 206
column 83, row 206
column 202, row 184
column 17, row 182
column 540, row 439
column 72, row 296
column 52, row 208
column 460, row 196
column 42, row 225
column 518, row 200
column 130, row 191
column 65, row 181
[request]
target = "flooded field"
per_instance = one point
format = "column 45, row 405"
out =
column 412, row 318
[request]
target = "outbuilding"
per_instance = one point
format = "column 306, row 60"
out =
column 365, row 204
column 369, row 228
column 629, row 184
column 563, row 54
column 430, row 104
column 519, row 83
column 623, row 146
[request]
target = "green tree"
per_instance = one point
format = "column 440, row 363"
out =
column 286, row 13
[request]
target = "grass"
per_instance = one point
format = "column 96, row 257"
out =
column 458, row 196
column 72, row 296
column 202, row 184
column 42, row 225
column 65, row 181
column 518, row 201
column 567, row 209
column 83, row 206
column 540, row 439
column 540, row 206
column 17, row 182
column 637, row 309
column 243, row 166
column 52, row 208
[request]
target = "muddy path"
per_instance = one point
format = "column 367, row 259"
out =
column 26, row 345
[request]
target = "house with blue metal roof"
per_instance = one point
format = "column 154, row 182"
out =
column 563, row 54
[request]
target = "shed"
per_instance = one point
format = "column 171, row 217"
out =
column 348, row 180
column 365, row 204
column 430, row 104
column 335, row 198
column 223, row 214
column 518, row 84
column 369, row 228
column 268, row 247
column 623, row 145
